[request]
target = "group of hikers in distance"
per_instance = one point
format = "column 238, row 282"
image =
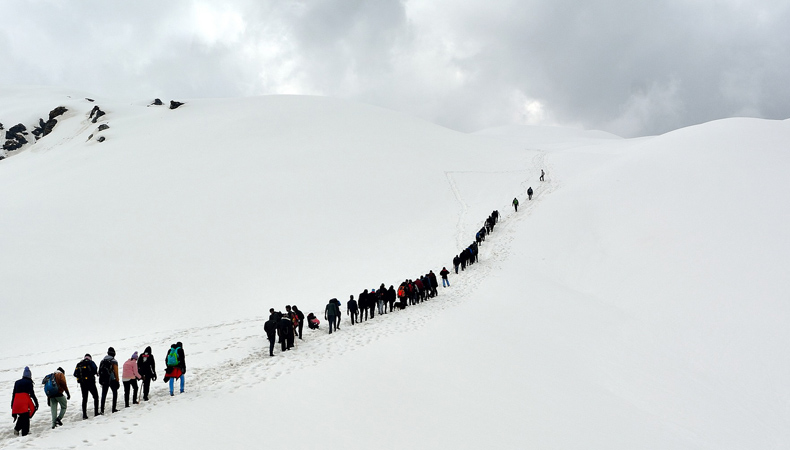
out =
column 285, row 326
column 142, row 367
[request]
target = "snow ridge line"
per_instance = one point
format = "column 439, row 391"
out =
column 254, row 364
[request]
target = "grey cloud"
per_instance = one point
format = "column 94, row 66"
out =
column 632, row 68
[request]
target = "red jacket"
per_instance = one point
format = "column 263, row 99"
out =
column 22, row 404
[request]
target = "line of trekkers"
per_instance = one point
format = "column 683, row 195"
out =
column 285, row 327
column 142, row 367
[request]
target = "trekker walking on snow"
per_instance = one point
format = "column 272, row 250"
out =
column 391, row 296
column 529, row 193
column 515, row 204
column 24, row 403
column 444, row 273
column 542, row 173
column 270, row 327
column 352, row 309
column 146, row 366
column 130, row 376
column 291, row 336
column 108, row 379
column 339, row 308
column 363, row 305
column 300, row 316
column 176, row 366
column 456, row 263
column 284, row 329
column 86, row 372
column 380, row 298
column 330, row 314
column 55, row 396
column 434, row 283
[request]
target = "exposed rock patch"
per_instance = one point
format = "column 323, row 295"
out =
column 174, row 104
column 157, row 102
column 96, row 112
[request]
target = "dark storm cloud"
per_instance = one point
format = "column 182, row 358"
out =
column 637, row 67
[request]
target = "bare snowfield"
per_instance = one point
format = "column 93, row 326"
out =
column 638, row 301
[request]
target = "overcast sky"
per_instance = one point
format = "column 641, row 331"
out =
column 630, row 67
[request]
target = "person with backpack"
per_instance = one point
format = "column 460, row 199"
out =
column 24, row 403
column 108, row 379
column 54, row 387
column 444, row 273
column 529, row 193
column 352, row 309
column 515, row 204
column 313, row 322
column 86, row 372
column 300, row 316
column 391, row 296
column 146, row 366
column 176, row 366
column 130, row 377
column 270, row 327
column 434, row 283
column 363, row 305
column 330, row 314
column 291, row 336
column 456, row 263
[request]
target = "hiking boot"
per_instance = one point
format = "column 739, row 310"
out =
column 57, row 421
column 16, row 432
column 84, row 416
column 54, row 425
column 115, row 410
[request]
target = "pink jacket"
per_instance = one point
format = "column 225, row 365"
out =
column 130, row 370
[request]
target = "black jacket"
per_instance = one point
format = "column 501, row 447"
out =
column 88, row 375
column 270, row 328
column 146, row 364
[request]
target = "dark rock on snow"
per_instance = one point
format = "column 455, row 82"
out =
column 174, row 104
column 101, row 138
column 96, row 113
column 157, row 102
column 57, row 112
column 103, row 127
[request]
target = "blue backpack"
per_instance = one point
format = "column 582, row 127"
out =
column 172, row 357
column 50, row 386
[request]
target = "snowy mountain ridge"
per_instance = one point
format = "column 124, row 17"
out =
column 637, row 302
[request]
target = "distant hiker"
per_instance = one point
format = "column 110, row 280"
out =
column 434, row 283
column 108, row 379
column 273, row 315
column 542, row 173
column 130, row 376
column 372, row 300
column 529, row 193
column 291, row 336
column 352, row 309
column 456, row 263
column 285, row 329
column 444, row 273
column 24, row 403
column 300, row 316
column 363, row 305
column 391, row 296
column 176, row 365
column 330, row 314
column 515, row 204
column 86, row 372
column 380, row 298
column 146, row 365
column 313, row 322
column 270, row 327
column 339, row 313
column 54, row 387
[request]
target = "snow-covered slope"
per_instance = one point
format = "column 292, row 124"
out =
column 637, row 302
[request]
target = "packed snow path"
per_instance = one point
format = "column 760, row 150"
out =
column 233, row 355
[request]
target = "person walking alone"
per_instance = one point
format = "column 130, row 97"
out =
column 352, row 309
column 444, row 273
column 515, row 204
column 270, row 327
column 542, row 173
column 529, row 193
column 86, row 372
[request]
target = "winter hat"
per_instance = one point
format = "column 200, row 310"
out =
column 134, row 355
column 88, row 357
column 111, row 352
column 26, row 373
column 60, row 369
column 179, row 344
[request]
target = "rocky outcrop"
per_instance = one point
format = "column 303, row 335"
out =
column 157, row 102
column 59, row 111
column 174, row 104
column 15, row 137
column 103, row 127
column 96, row 112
